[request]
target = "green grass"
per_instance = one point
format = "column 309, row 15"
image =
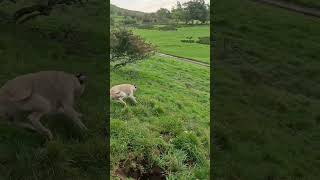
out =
column 169, row 127
column 308, row 3
column 267, row 93
column 169, row 42
column 72, row 154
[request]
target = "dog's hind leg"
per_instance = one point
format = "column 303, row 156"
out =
column 16, row 122
column 38, row 106
column 122, row 101
column 35, row 121
column 25, row 125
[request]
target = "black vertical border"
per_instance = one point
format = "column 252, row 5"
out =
column 107, row 88
column 212, row 88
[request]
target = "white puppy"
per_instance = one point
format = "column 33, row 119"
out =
column 122, row 91
column 39, row 94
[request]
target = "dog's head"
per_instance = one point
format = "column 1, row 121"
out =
column 135, row 87
column 82, row 80
column 81, row 77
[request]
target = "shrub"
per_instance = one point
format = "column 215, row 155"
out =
column 204, row 40
column 168, row 28
column 145, row 26
column 187, row 41
column 129, row 21
column 125, row 48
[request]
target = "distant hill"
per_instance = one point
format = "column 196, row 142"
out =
column 115, row 10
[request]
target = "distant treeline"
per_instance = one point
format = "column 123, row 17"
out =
column 194, row 11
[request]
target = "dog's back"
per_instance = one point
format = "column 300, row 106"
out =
column 54, row 86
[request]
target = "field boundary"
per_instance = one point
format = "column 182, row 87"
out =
column 314, row 12
column 189, row 60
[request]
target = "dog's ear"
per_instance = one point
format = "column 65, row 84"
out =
column 81, row 77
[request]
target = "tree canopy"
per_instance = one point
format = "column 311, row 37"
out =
column 191, row 10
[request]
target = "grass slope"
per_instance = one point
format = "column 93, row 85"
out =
column 169, row 127
column 308, row 3
column 169, row 42
column 267, row 93
column 72, row 154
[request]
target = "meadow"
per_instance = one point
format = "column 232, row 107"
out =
column 169, row 127
column 267, row 93
column 169, row 42
column 40, row 45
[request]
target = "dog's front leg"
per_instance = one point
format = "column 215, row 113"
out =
column 133, row 99
column 74, row 116
column 35, row 121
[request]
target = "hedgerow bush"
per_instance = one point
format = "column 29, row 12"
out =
column 126, row 48
column 168, row 28
column 204, row 40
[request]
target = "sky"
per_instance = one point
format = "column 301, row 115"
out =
column 147, row 5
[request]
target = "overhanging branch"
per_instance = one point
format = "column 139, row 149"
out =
column 31, row 12
column 28, row 13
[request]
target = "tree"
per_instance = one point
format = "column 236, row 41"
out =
column 178, row 13
column 125, row 48
column 196, row 10
column 163, row 15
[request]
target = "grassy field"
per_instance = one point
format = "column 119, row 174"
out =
column 308, row 3
column 267, row 97
column 169, row 42
column 72, row 154
column 169, row 127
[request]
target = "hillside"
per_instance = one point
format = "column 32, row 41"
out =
column 169, row 127
column 267, row 92
column 307, row 3
column 115, row 10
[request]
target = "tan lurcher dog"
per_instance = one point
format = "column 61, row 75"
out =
column 122, row 91
column 39, row 94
